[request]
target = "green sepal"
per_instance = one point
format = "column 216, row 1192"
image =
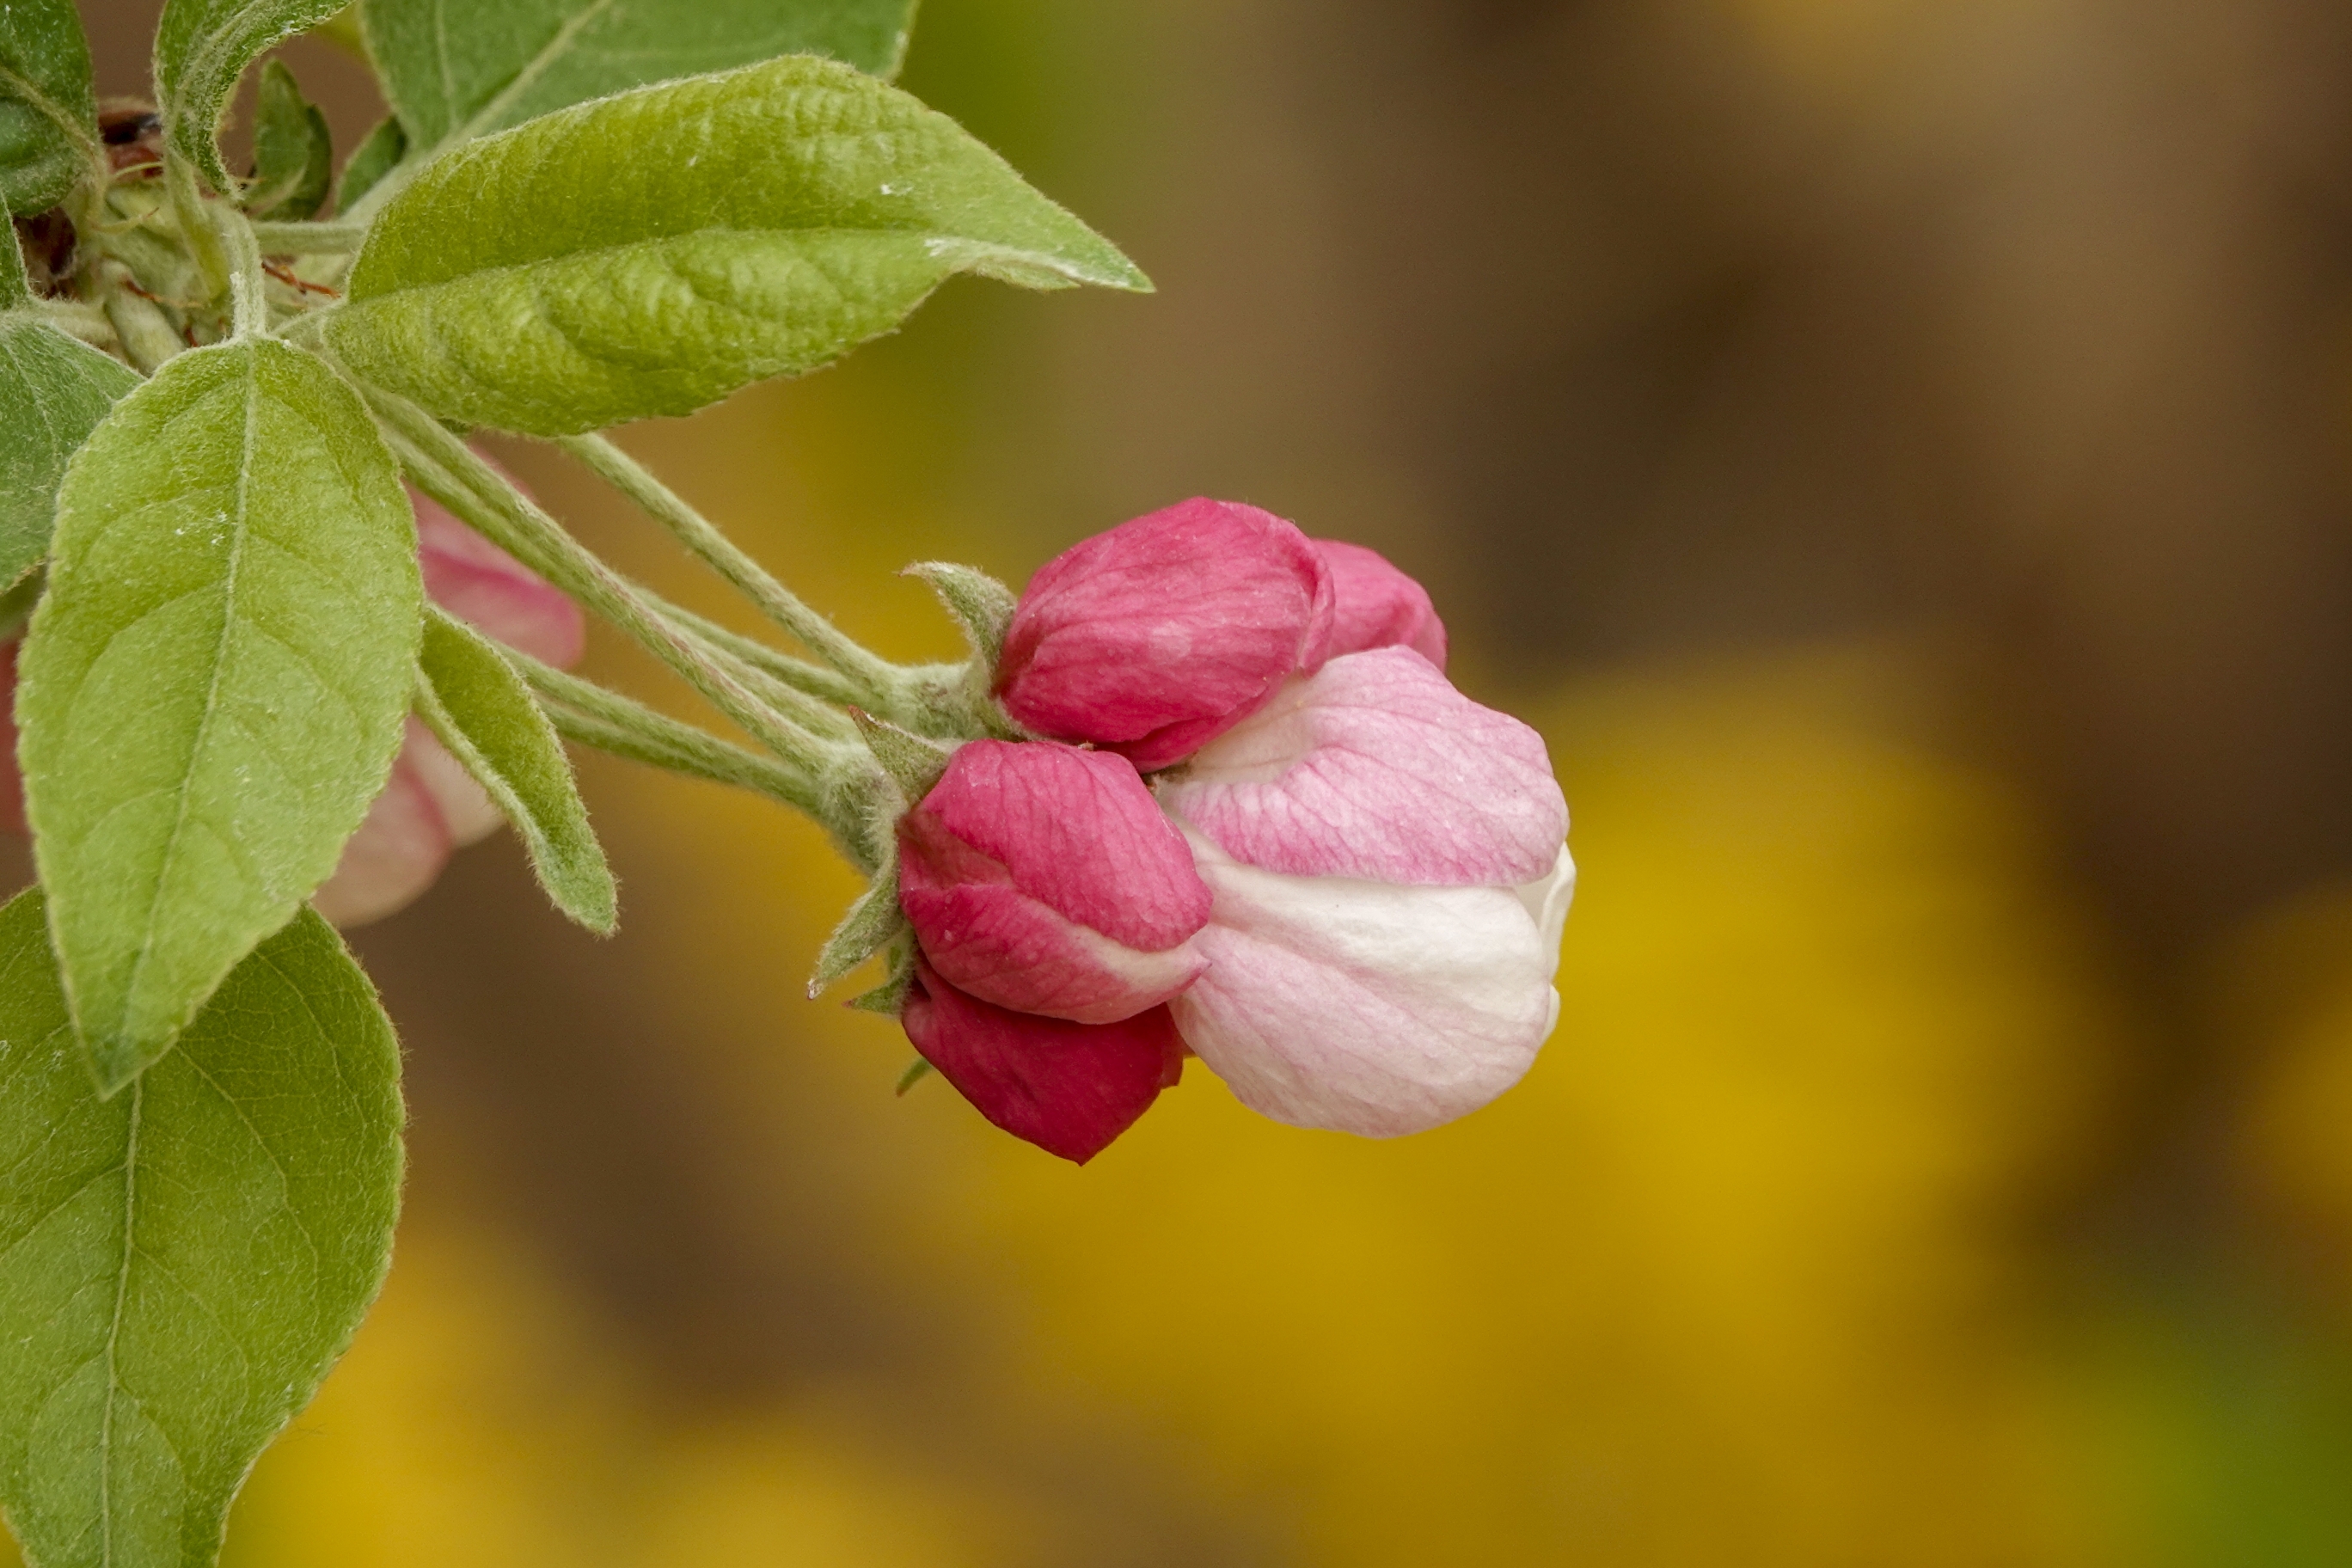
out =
column 293, row 151
column 874, row 921
column 180, row 1264
column 214, row 687
column 202, row 48
column 656, row 251
column 48, row 108
column 889, row 998
column 371, row 160
column 913, row 763
column 980, row 605
column 484, row 713
column 917, row 1071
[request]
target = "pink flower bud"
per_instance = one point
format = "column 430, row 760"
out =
column 431, row 805
column 1376, row 605
column 1389, row 874
column 1164, row 632
column 1044, row 878
column 1067, row 1087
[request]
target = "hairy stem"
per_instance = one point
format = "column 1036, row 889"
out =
column 452, row 473
column 874, row 678
column 310, row 239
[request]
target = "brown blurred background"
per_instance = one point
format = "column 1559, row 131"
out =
column 1898, row 451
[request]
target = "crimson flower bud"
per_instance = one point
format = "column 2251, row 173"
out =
column 1376, row 605
column 1044, row 878
column 1070, row 1088
column 1163, row 633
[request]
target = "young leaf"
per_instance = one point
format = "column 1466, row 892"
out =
column 487, row 717
column 654, row 252
column 48, row 110
column 373, row 160
column 214, row 686
column 53, row 392
column 459, row 68
column 293, row 151
column 202, row 48
column 180, row 1265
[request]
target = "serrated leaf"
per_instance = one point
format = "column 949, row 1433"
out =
column 371, row 160
column 180, row 1265
column 455, row 69
column 655, row 251
column 48, row 110
column 213, row 688
column 487, row 717
column 53, row 393
column 293, row 151
column 202, row 48
column 873, row 923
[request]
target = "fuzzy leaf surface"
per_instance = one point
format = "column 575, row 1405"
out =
column 794, row 209
column 213, row 688
column 293, row 151
column 180, row 1265
column 455, row 69
column 48, row 110
column 487, row 717
column 53, row 393
column 202, row 48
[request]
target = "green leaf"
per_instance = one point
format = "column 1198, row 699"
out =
column 180, row 1265
column 293, row 151
column 53, row 393
column 487, row 717
column 653, row 252
column 373, row 160
column 455, row 69
column 202, row 48
column 214, row 687
column 48, row 110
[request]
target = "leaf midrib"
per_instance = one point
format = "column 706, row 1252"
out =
column 212, row 692
column 114, row 1329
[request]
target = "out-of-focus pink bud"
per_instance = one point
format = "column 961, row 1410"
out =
column 1376, row 605
column 1164, row 632
column 1376, row 767
column 1044, row 878
column 1067, row 1087
column 431, row 805
column 1389, row 873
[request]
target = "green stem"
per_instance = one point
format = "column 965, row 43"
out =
column 826, row 685
column 249, row 285
column 876, row 678
column 310, row 239
column 452, row 473
column 196, row 231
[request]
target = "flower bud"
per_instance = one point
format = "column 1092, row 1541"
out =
column 1164, row 632
column 1376, row 605
column 1044, row 878
column 1067, row 1087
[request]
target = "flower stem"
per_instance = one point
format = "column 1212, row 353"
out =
column 452, row 473
column 876, row 679
column 308, row 238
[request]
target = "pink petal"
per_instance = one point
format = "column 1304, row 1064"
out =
column 1044, row 878
column 1375, row 767
column 1160, row 634
column 1376, row 605
column 1070, row 1088
column 399, row 850
column 1364, row 1006
column 480, row 583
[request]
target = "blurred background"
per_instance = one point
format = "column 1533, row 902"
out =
column 1896, row 450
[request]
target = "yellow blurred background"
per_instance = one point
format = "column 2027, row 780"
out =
column 1895, row 450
